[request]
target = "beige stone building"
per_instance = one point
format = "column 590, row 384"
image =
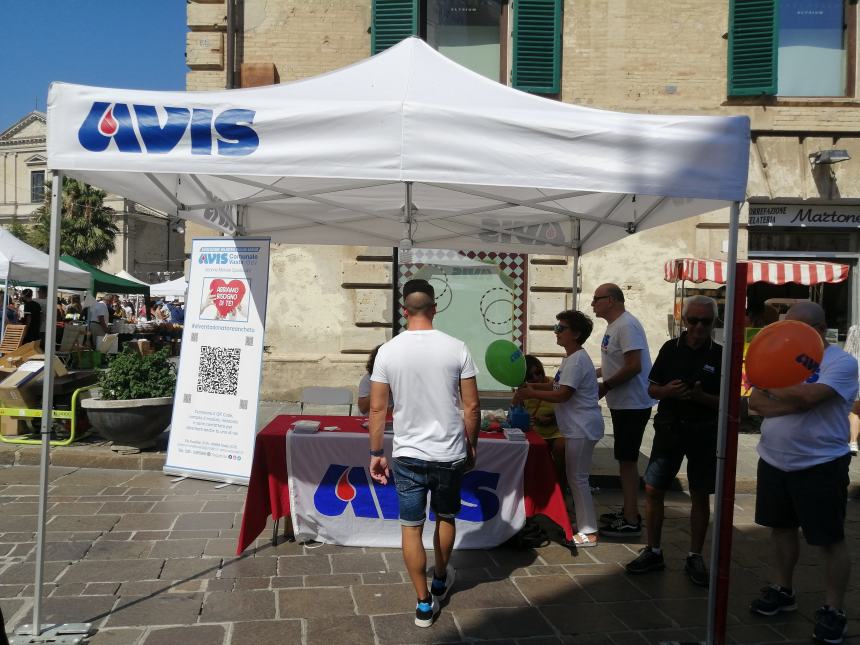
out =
column 790, row 65
column 145, row 241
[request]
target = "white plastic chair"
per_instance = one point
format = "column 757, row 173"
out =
column 326, row 396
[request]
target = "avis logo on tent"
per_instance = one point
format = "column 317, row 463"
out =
column 343, row 486
column 520, row 232
column 129, row 127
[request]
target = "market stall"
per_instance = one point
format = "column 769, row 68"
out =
column 20, row 263
column 127, row 331
column 788, row 281
column 404, row 149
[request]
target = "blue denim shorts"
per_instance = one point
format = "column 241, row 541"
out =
column 414, row 478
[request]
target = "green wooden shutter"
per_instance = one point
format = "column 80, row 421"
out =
column 392, row 21
column 753, row 47
column 537, row 46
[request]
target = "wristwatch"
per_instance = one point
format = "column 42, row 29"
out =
column 378, row 453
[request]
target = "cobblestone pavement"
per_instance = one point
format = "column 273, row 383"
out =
column 150, row 562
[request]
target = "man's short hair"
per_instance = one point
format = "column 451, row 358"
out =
column 577, row 321
column 419, row 286
column 809, row 312
column 703, row 301
column 615, row 292
column 28, row 293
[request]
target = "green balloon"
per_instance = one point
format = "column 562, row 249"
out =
column 506, row 363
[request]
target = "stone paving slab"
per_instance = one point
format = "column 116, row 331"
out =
column 143, row 581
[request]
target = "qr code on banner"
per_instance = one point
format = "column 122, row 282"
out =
column 218, row 372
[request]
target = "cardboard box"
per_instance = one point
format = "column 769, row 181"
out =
column 23, row 389
column 141, row 346
column 14, row 426
column 59, row 367
column 24, row 352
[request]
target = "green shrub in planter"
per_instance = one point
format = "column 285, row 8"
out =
column 132, row 376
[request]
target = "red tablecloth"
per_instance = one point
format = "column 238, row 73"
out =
column 269, row 493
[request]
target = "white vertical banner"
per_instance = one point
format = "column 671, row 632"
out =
column 218, row 387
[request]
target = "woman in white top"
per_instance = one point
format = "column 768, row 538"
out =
column 574, row 391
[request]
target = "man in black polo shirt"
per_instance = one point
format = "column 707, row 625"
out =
column 32, row 316
column 685, row 379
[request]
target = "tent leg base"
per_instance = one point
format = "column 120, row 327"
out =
column 65, row 634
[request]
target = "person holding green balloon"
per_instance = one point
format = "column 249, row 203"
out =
column 574, row 391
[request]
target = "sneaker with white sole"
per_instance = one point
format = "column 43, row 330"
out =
column 439, row 589
column 426, row 611
column 831, row 625
column 622, row 528
column 773, row 600
column 647, row 560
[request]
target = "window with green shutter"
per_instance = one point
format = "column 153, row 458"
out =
column 791, row 47
column 392, row 21
column 537, row 46
column 753, row 47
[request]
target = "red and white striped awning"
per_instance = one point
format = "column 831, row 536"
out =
column 774, row 272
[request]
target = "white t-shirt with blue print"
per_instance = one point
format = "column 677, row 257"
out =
column 625, row 334
column 806, row 439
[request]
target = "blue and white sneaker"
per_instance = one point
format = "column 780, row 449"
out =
column 426, row 611
column 439, row 588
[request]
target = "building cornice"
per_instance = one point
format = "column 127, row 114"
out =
column 32, row 141
column 23, row 123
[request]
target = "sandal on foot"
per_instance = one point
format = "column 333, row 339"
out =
column 583, row 541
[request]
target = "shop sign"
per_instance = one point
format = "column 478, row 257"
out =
column 803, row 215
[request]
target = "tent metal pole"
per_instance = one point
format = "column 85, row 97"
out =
column 47, row 393
column 52, row 633
column 406, row 220
column 5, row 302
column 574, row 301
column 723, row 512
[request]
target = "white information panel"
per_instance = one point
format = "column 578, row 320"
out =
column 215, row 405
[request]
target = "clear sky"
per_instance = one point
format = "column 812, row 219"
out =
column 112, row 43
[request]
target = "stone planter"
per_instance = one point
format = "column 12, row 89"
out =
column 131, row 422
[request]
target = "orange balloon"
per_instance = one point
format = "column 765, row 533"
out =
column 783, row 354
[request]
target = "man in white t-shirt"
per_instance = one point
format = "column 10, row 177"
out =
column 98, row 317
column 624, row 367
column 803, row 477
column 428, row 373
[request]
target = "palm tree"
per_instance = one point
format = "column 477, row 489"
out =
column 88, row 230
column 17, row 228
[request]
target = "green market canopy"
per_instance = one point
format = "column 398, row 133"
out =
column 107, row 282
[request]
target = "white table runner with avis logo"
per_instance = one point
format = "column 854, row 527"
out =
column 218, row 385
column 333, row 498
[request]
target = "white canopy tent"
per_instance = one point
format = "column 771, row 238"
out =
column 327, row 159
column 125, row 275
column 404, row 149
column 172, row 288
column 20, row 262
